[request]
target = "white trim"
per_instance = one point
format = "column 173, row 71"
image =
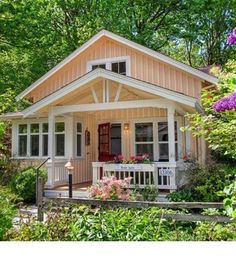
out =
column 147, row 87
column 109, row 106
column 108, row 63
column 171, row 133
column 127, row 42
column 94, row 95
column 78, row 120
column 118, row 93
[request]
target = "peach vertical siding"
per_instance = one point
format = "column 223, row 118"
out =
column 143, row 67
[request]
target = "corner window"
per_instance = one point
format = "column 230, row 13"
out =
column 144, row 139
column 34, row 139
column 78, row 139
column 163, row 144
column 60, row 138
column 22, row 141
column 119, row 67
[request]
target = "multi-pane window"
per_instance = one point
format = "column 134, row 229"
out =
column 78, row 139
column 22, row 144
column 102, row 65
column 45, row 139
column 60, row 138
column 119, row 67
column 144, row 139
column 163, row 141
column 34, row 139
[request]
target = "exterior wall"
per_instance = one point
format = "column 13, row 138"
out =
column 143, row 67
column 90, row 120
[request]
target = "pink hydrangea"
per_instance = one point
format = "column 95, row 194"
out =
column 111, row 188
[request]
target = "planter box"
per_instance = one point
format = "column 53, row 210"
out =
column 129, row 167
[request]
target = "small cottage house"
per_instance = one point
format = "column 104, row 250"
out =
column 111, row 97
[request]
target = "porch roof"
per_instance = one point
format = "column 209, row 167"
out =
column 162, row 92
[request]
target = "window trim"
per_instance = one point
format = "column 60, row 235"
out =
column 82, row 133
column 154, row 121
column 39, row 134
column 109, row 61
column 59, row 133
column 15, row 139
column 144, row 142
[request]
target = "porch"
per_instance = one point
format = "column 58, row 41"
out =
column 104, row 114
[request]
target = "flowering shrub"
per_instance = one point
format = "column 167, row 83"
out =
column 226, row 103
column 132, row 159
column 111, row 188
column 231, row 40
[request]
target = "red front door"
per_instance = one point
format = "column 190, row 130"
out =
column 104, row 146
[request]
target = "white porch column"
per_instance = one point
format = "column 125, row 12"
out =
column 69, row 137
column 51, row 148
column 171, row 133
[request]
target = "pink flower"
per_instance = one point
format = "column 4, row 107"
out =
column 132, row 157
column 120, row 157
column 139, row 158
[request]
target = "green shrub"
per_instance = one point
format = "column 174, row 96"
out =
column 148, row 193
column 24, row 183
column 211, row 231
column 8, row 168
column 183, row 195
column 7, row 209
column 204, row 182
column 86, row 224
column 105, row 224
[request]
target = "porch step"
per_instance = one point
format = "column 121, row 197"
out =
column 65, row 193
column 162, row 197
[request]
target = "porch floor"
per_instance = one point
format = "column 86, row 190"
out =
column 79, row 191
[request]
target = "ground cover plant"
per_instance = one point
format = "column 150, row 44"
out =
column 83, row 223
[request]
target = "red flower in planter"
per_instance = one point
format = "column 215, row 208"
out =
column 132, row 157
column 120, row 157
column 185, row 158
column 139, row 158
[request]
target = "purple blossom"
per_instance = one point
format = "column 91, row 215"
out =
column 226, row 103
column 231, row 40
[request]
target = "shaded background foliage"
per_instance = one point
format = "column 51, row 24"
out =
column 36, row 35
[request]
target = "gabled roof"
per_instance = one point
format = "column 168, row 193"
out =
column 126, row 80
column 126, row 42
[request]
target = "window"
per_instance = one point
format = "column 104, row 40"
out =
column 78, row 139
column 119, row 67
column 144, row 139
column 116, row 147
column 45, row 139
column 34, row 139
column 163, row 138
column 22, row 145
column 102, row 65
column 60, row 138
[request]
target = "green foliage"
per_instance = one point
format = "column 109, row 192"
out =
column 8, row 167
column 7, row 209
column 148, row 193
column 218, row 128
column 215, row 232
column 178, row 28
column 82, row 223
column 24, row 183
column 204, row 183
column 182, row 195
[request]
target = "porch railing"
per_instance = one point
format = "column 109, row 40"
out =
column 159, row 174
column 59, row 176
